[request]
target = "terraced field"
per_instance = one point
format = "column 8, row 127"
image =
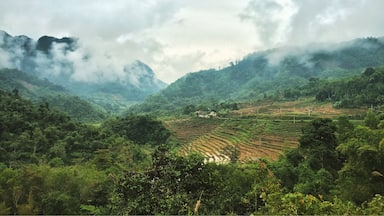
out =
column 186, row 130
column 253, row 138
column 257, row 130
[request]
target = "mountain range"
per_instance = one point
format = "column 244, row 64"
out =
column 267, row 74
column 70, row 69
column 64, row 62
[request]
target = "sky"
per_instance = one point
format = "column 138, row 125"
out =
column 175, row 37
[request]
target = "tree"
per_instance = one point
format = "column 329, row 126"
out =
column 286, row 168
column 361, row 176
column 140, row 129
column 171, row 186
column 344, row 128
column 311, row 168
column 318, row 145
column 371, row 120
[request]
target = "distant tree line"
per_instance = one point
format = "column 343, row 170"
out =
column 364, row 90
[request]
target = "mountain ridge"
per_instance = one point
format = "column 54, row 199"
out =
column 45, row 93
column 266, row 73
column 65, row 62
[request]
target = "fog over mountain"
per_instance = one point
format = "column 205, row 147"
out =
column 176, row 37
column 64, row 61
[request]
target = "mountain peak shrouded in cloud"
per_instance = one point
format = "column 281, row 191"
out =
column 45, row 43
column 66, row 62
column 141, row 75
column 12, row 48
column 64, row 59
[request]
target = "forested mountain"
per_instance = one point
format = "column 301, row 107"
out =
column 65, row 62
column 56, row 96
column 264, row 73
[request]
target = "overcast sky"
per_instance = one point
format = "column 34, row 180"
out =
column 175, row 37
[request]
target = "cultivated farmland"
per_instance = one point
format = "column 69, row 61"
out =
column 254, row 131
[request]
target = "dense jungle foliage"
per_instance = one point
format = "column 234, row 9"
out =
column 53, row 164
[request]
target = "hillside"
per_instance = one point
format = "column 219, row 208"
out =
column 65, row 62
column 44, row 92
column 265, row 74
column 256, row 130
column 267, row 127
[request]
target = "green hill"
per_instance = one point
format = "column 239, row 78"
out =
column 43, row 91
column 263, row 74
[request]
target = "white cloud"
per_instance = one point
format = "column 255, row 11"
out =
column 272, row 19
column 4, row 57
column 157, row 32
column 293, row 22
column 175, row 37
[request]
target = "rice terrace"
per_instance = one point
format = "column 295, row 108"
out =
column 255, row 131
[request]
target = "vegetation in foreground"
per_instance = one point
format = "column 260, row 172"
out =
column 51, row 164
